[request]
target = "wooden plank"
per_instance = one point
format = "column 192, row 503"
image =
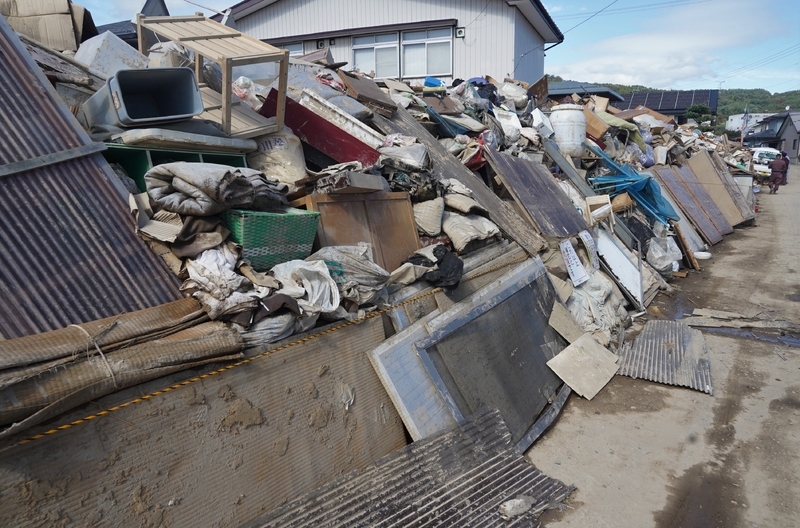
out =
column 365, row 90
column 320, row 133
column 686, row 201
column 685, row 247
column 709, row 178
column 384, row 220
column 533, row 187
column 445, row 165
column 628, row 114
column 704, row 199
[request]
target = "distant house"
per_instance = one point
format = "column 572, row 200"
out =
column 672, row 103
column 780, row 131
column 558, row 90
column 411, row 39
column 746, row 122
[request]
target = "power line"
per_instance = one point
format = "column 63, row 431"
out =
column 645, row 7
column 563, row 33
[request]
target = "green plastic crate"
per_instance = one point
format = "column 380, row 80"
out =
column 271, row 238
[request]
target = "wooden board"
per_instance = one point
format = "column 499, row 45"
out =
column 704, row 199
column 366, row 91
column 687, row 203
column 385, row 220
column 445, row 165
column 717, row 189
column 320, row 133
column 732, row 186
column 532, row 186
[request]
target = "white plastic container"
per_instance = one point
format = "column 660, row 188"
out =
column 107, row 53
column 569, row 128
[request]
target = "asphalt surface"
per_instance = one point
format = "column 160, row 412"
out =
column 648, row 455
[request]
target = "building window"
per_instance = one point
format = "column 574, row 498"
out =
column 295, row 49
column 427, row 52
column 420, row 53
column 794, row 145
column 376, row 53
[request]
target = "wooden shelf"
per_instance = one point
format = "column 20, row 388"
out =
column 228, row 48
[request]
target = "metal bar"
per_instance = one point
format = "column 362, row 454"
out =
column 16, row 167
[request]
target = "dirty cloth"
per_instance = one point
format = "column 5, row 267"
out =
column 203, row 189
column 198, row 234
column 445, row 270
column 310, row 281
column 353, row 269
column 428, row 216
column 213, row 272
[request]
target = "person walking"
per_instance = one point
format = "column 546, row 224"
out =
column 778, row 166
column 786, row 173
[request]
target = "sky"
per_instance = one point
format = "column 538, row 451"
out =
column 664, row 44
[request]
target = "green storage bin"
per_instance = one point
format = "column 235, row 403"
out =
column 271, row 238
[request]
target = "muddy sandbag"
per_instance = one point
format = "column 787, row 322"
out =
column 280, row 155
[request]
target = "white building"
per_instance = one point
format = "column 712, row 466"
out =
column 736, row 122
column 411, row 39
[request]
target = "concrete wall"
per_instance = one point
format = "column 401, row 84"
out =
column 495, row 31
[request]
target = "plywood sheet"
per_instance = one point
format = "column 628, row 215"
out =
column 687, row 203
column 704, row 199
column 219, row 452
column 585, row 366
column 712, row 182
column 532, row 186
column 385, row 220
column 735, row 190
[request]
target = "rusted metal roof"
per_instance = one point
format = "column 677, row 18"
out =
column 668, row 352
column 458, row 478
column 68, row 251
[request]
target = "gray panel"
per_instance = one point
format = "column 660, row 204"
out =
column 458, row 478
column 689, row 205
column 499, row 359
column 68, row 251
column 668, row 352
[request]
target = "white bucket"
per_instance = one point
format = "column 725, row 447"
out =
column 569, row 128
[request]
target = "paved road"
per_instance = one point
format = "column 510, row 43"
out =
column 648, row 455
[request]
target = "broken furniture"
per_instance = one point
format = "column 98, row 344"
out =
column 229, row 48
column 383, row 219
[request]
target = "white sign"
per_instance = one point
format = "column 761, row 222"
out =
column 574, row 266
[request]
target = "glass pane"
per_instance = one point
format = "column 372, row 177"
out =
column 439, row 33
column 386, row 59
column 414, row 60
column 438, row 58
column 360, row 41
column 414, row 35
column 386, row 37
column 364, row 60
column 296, row 48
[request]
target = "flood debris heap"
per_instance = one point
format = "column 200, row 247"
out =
column 241, row 288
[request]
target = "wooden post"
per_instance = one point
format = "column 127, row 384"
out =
column 283, row 80
column 227, row 71
column 685, row 245
column 140, row 32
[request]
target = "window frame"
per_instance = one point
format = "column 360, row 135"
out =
column 398, row 44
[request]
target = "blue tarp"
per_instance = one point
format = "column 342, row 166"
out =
column 641, row 187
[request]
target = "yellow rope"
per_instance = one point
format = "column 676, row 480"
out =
column 220, row 370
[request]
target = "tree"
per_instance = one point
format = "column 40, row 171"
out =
column 698, row 112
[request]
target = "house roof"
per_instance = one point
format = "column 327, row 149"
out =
column 671, row 102
column 564, row 88
column 533, row 10
column 68, row 250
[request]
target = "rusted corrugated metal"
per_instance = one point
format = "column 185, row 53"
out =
column 668, row 352
column 458, row 478
column 68, row 251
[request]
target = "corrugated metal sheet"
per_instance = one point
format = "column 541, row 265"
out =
column 487, row 49
column 458, row 478
column 668, row 352
column 68, row 252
